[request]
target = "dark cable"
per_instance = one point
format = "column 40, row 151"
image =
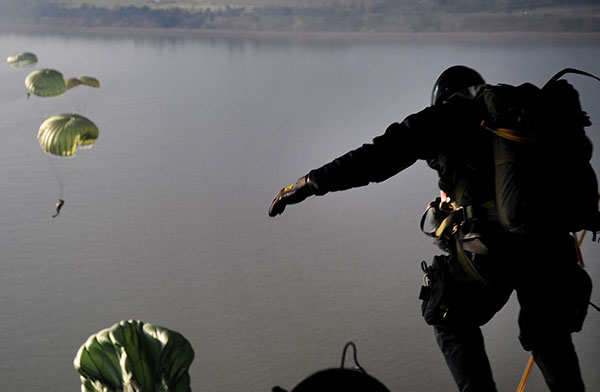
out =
column 351, row 344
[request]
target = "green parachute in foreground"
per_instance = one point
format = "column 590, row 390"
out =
column 22, row 60
column 133, row 356
column 61, row 135
column 45, row 83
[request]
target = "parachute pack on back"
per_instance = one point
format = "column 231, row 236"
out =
column 544, row 179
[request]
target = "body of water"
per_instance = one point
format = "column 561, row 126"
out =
column 166, row 221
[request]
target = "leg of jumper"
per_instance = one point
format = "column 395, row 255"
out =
column 550, row 342
column 560, row 366
column 472, row 304
column 464, row 351
column 545, row 319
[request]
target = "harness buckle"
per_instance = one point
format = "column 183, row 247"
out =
column 459, row 217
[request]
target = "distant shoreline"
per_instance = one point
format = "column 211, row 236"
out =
column 466, row 37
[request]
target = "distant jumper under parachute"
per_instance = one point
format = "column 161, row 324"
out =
column 61, row 136
column 22, row 60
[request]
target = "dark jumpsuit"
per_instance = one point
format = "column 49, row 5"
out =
column 449, row 137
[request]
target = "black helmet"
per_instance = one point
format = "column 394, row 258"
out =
column 452, row 80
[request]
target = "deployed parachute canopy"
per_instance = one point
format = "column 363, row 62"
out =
column 61, row 135
column 89, row 81
column 23, row 59
column 72, row 82
column 85, row 80
column 137, row 357
column 45, row 83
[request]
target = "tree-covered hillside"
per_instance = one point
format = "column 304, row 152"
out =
column 312, row 15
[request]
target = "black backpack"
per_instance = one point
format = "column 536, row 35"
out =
column 544, row 179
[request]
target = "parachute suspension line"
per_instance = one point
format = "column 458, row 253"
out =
column 525, row 376
column 578, row 248
column 56, row 176
column 354, row 356
column 580, row 239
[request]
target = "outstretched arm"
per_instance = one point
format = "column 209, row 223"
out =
column 372, row 162
column 420, row 136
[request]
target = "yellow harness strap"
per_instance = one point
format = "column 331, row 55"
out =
column 511, row 134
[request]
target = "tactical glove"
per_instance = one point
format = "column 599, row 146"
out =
column 292, row 194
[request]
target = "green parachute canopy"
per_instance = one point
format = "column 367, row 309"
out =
column 72, row 82
column 89, row 81
column 133, row 356
column 23, row 59
column 45, row 83
column 85, row 80
column 61, row 135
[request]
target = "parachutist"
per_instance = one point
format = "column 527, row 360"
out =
column 483, row 251
column 59, row 205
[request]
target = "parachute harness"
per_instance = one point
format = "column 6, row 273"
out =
column 451, row 218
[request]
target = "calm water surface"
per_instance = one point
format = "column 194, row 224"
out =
column 166, row 216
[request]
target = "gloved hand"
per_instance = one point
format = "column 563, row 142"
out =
column 292, row 194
